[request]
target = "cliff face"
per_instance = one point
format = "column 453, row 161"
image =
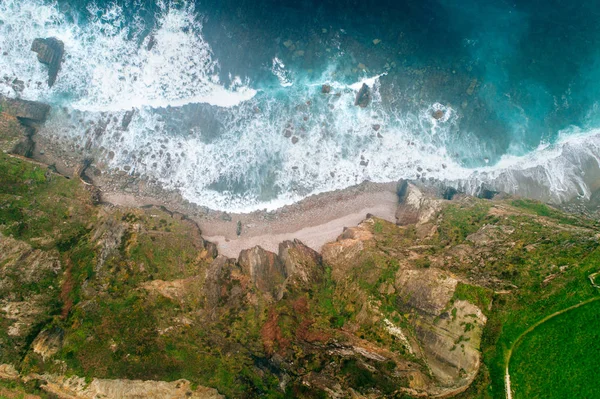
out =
column 135, row 302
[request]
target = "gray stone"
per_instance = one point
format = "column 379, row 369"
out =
column 50, row 52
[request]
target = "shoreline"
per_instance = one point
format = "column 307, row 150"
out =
column 315, row 220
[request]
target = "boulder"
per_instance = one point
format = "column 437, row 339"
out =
column 438, row 114
column 363, row 97
column 265, row 269
column 326, row 89
column 49, row 52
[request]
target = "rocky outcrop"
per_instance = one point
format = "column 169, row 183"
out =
column 48, row 342
column 17, row 121
column 218, row 287
column 74, row 387
column 346, row 248
column 265, row 269
column 449, row 331
column 50, row 52
column 22, row 304
column 8, row 372
column 27, row 111
column 363, row 97
column 417, row 205
column 15, row 138
column 303, row 265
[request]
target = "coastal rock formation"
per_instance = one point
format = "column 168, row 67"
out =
column 74, row 387
column 265, row 269
column 303, row 266
column 49, row 52
column 363, row 97
column 125, row 301
column 17, row 121
column 417, row 205
column 21, row 307
column 450, row 348
column 26, row 111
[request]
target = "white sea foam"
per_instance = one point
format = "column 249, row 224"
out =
column 260, row 151
column 105, row 68
column 278, row 69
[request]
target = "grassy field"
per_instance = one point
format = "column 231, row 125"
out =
column 560, row 358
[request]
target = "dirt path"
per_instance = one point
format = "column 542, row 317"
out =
column 530, row 329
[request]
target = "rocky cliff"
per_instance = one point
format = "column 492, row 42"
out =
column 103, row 301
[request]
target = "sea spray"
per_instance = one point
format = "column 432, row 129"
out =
column 239, row 143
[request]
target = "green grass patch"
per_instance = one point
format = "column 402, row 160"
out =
column 39, row 207
column 544, row 210
column 460, row 220
column 559, row 359
column 479, row 296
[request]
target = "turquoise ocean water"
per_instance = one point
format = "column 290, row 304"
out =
column 229, row 107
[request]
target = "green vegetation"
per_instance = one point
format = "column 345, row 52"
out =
column 544, row 210
column 559, row 359
column 458, row 221
column 525, row 262
column 480, row 296
column 16, row 390
column 36, row 204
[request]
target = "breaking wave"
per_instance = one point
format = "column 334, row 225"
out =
column 240, row 145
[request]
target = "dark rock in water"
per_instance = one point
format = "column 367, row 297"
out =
column 376, row 127
column 287, row 133
column 326, row 89
column 439, row 114
column 295, row 140
column 151, row 43
column 27, row 111
column 363, row 97
column 50, row 52
column 18, row 85
column 127, row 119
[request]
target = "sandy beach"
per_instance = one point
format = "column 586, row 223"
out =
column 316, row 220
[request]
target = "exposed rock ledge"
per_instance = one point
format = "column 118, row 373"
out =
column 77, row 388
